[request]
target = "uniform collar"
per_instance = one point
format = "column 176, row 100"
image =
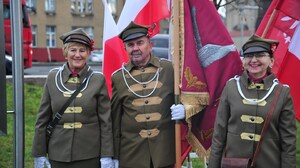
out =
column 66, row 73
column 267, row 81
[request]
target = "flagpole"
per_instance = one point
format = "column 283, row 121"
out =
column 269, row 23
column 176, row 78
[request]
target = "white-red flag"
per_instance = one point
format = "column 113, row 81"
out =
column 144, row 12
column 281, row 22
column 114, row 53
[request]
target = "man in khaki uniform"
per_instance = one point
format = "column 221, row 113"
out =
column 143, row 92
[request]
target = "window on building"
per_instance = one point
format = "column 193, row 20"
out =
column 82, row 7
column 50, row 6
column 34, row 35
column 6, row 12
column 31, row 6
column 31, row 3
column 50, row 36
column 112, row 4
column 88, row 30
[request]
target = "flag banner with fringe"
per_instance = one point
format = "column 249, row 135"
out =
column 210, row 59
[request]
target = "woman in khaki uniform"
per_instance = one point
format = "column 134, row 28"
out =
column 143, row 92
column 84, row 133
column 243, row 108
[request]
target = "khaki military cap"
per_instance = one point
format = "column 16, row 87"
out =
column 259, row 44
column 77, row 35
column 133, row 31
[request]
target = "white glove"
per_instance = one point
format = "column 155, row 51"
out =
column 106, row 162
column 116, row 163
column 178, row 112
column 40, row 162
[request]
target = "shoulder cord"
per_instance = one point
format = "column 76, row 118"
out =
column 59, row 76
column 124, row 69
column 141, row 83
column 59, row 114
column 254, row 102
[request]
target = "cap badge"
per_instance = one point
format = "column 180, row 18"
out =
column 273, row 47
column 151, row 29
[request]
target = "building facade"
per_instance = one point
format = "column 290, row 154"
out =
column 51, row 18
column 240, row 20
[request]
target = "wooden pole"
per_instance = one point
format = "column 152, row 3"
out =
column 176, row 78
column 269, row 23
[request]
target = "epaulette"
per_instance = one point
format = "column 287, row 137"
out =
column 97, row 72
column 116, row 71
column 53, row 69
column 164, row 59
column 286, row 85
column 235, row 77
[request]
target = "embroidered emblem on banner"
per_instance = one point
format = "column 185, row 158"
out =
column 192, row 80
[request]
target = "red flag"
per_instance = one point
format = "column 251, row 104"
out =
column 210, row 59
column 280, row 23
column 144, row 12
column 114, row 53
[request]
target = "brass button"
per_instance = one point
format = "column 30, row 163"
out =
column 147, row 117
column 143, row 70
column 251, row 136
column 149, row 133
column 144, row 85
column 146, row 102
column 252, row 119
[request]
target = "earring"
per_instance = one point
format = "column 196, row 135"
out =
column 270, row 66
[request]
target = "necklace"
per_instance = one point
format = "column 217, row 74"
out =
column 251, row 101
column 141, row 83
column 58, row 77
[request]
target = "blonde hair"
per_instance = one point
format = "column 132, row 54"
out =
column 70, row 44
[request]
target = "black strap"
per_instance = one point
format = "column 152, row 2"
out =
column 59, row 114
column 265, row 126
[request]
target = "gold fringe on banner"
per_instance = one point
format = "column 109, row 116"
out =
column 194, row 102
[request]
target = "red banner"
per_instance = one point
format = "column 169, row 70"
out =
column 280, row 23
column 210, row 59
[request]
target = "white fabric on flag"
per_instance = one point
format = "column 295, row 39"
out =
column 294, row 46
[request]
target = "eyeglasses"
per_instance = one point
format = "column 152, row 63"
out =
column 257, row 55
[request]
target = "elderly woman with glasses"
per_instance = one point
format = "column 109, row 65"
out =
column 245, row 104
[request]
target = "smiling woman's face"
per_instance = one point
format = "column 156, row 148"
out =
column 76, row 55
column 257, row 64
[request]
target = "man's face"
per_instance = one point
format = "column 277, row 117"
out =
column 139, row 50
